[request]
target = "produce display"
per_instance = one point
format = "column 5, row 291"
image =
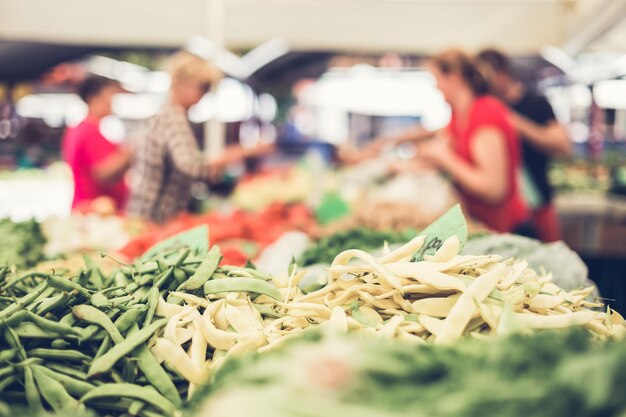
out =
column 22, row 243
column 89, row 233
column 325, row 249
column 580, row 176
column 144, row 338
column 545, row 375
column 240, row 234
column 285, row 186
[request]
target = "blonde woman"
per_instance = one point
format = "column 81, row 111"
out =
column 167, row 158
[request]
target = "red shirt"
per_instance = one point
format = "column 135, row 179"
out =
column 83, row 148
column 511, row 212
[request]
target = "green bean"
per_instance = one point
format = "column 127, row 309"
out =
column 104, row 346
column 114, row 302
column 146, row 394
column 60, row 344
column 145, row 360
column 17, row 318
column 52, row 303
column 105, row 362
column 24, row 301
column 145, row 279
column 72, row 386
column 100, row 300
column 155, row 373
column 6, row 371
column 130, row 370
column 7, row 354
column 121, row 279
column 242, row 285
column 51, row 326
column 111, row 290
column 164, row 277
column 63, row 284
column 67, row 370
column 132, row 287
column 28, row 362
column 89, row 333
column 180, row 259
column 96, row 278
column 148, row 267
column 116, row 377
column 188, row 271
column 28, row 330
column 68, row 319
column 135, row 407
column 127, row 320
column 117, row 405
column 148, row 413
column 14, row 341
column 6, row 382
column 171, row 286
column 60, row 354
column 5, row 410
column 43, row 297
column 171, row 299
column 153, row 301
column 179, row 276
column 19, row 279
column 162, row 264
column 267, row 311
column 54, row 393
column 204, row 272
column 32, row 393
column 91, row 314
column 82, row 278
column 244, row 272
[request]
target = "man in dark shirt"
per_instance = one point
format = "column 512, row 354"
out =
column 543, row 138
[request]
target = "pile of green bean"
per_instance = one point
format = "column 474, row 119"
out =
column 70, row 345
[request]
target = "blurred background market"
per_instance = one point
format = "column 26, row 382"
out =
column 318, row 78
column 288, row 132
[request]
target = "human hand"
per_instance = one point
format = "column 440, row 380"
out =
column 435, row 151
column 348, row 155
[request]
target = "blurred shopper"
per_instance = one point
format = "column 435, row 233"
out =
column 541, row 134
column 167, row 158
column 479, row 148
column 98, row 166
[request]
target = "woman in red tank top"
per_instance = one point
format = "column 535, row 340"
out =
column 479, row 148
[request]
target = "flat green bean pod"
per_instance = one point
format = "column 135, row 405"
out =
column 242, row 285
column 146, row 394
column 60, row 355
column 108, row 360
column 32, row 392
column 8, row 381
column 7, row 354
column 24, row 301
column 67, row 285
column 54, row 393
column 72, row 385
column 204, row 272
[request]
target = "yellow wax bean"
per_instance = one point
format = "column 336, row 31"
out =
column 466, row 306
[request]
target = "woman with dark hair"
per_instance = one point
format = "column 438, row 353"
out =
column 542, row 138
column 478, row 149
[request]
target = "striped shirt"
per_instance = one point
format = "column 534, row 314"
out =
column 166, row 161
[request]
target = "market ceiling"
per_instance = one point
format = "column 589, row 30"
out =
column 522, row 27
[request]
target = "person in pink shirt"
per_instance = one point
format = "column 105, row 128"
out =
column 98, row 166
